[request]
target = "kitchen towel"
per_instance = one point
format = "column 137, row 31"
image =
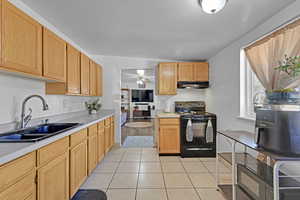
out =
column 209, row 132
column 189, row 131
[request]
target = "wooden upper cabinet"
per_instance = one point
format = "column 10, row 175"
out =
column 21, row 39
column 85, row 75
column 167, row 78
column 99, row 80
column 54, row 56
column 93, row 78
column 201, row 71
column 73, row 70
column 185, row 72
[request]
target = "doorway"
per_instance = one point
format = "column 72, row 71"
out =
column 137, row 107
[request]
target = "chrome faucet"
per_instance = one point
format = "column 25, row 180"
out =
column 26, row 119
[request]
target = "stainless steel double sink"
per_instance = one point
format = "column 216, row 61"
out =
column 36, row 133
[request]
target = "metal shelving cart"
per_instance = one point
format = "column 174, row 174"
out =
column 280, row 173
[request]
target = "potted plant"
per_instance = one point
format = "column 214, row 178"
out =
column 93, row 106
column 290, row 66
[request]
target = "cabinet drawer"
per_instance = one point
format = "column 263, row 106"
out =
column 23, row 189
column 51, row 151
column 107, row 121
column 93, row 130
column 13, row 171
column 78, row 137
column 169, row 121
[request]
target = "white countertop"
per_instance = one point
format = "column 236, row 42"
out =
column 167, row 115
column 11, row 151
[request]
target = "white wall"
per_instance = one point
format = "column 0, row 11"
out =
column 224, row 94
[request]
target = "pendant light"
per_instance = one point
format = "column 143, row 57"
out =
column 212, row 6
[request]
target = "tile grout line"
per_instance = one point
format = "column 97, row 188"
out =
column 137, row 183
column 163, row 174
column 188, row 175
column 119, row 162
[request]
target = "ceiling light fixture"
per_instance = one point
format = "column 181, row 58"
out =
column 212, row 6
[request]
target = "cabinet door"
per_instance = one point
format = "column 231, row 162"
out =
column 78, row 166
column 73, row 70
column 167, row 78
column 93, row 79
column 169, row 139
column 92, row 153
column 185, row 72
column 54, row 56
column 112, row 135
column 21, row 41
column 24, row 189
column 85, row 75
column 99, row 80
column 201, row 71
column 107, row 138
column 101, row 141
column 53, row 179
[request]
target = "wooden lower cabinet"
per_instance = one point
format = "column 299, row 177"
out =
column 56, row 171
column 101, row 141
column 169, row 136
column 78, row 166
column 107, row 133
column 92, row 148
column 53, row 179
column 112, row 135
column 24, row 189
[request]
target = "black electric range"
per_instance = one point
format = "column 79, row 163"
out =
column 198, row 129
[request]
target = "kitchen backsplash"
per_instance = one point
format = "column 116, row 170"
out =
column 15, row 89
column 166, row 103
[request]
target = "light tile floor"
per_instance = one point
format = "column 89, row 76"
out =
column 140, row 174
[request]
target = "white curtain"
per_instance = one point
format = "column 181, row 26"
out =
column 264, row 57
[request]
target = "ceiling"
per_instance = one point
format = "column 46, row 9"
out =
column 165, row 29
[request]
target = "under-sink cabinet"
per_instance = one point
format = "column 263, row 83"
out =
column 57, row 170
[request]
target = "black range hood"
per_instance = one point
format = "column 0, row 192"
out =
column 189, row 84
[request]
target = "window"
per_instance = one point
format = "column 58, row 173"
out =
column 250, row 86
